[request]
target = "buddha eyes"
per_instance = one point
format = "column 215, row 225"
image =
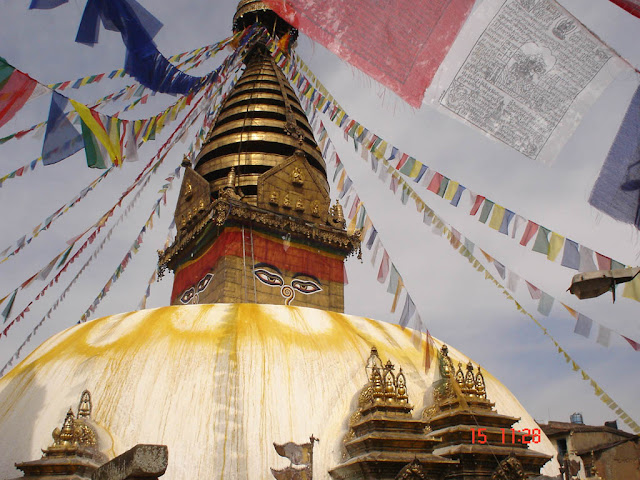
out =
column 305, row 286
column 268, row 278
column 188, row 295
column 204, row 283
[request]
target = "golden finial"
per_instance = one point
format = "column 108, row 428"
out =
column 85, row 407
column 460, row 375
column 231, row 178
column 373, row 361
column 481, row 389
column 338, row 215
column 376, row 380
column 66, row 436
column 402, row 387
column 470, row 378
column 389, row 385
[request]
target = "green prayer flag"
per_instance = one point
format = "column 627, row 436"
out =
column 541, row 244
column 486, row 210
column 408, row 166
column 443, row 186
column 92, row 148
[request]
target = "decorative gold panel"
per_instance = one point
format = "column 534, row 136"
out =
column 295, row 186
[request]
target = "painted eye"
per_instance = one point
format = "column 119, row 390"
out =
column 268, row 278
column 187, row 295
column 306, row 286
column 204, row 283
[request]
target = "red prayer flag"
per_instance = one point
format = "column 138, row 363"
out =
column 384, row 268
column 634, row 345
column 529, row 232
column 377, row 42
column 434, row 185
column 476, row 205
column 14, row 94
column 631, row 6
column 604, row 263
column 402, row 161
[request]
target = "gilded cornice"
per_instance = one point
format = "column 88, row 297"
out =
column 224, row 210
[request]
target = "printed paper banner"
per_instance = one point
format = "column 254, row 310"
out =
column 401, row 44
column 524, row 73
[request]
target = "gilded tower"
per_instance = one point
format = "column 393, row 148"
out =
column 254, row 219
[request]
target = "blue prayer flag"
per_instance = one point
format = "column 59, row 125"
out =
column 61, row 139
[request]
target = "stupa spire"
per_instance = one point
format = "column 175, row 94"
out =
column 254, row 213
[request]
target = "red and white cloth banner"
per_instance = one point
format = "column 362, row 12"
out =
column 631, row 6
column 400, row 44
column 524, row 72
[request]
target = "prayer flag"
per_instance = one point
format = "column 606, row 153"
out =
column 496, row 217
column 476, row 204
column 372, row 238
column 456, row 197
column 545, row 303
column 376, row 248
column 632, row 289
column 399, row 286
column 571, row 255
column 451, row 190
column 604, row 263
column 538, row 64
column 394, row 278
column 486, row 209
column 46, row 4
column 15, row 90
column 7, row 308
column 95, row 122
column 529, row 232
column 555, row 245
column 500, row 268
column 410, row 61
column 631, row 6
column 383, row 271
column 423, row 170
column 504, row 225
column 443, row 186
column 541, row 245
column 616, row 191
column 517, row 223
column 61, row 139
column 512, row 281
column 407, row 168
column 635, row 345
column 434, row 186
column 571, row 311
column 407, row 311
column 586, row 260
column 604, row 336
column 583, row 325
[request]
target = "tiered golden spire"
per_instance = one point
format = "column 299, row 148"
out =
column 383, row 385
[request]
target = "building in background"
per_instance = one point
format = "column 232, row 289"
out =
column 593, row 451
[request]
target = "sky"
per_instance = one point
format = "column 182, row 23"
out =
column 458, row 305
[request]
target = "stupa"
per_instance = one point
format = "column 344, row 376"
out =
column 253, row 371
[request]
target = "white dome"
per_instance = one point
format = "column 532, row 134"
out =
column 217, row 384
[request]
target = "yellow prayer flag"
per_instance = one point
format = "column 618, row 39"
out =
column 555, row 245
column 585, row 376
column 96, row 128
column 632, row 289
column 114, row 138
column 397, row 295
column 451, row 190
column 380, row 151
column 575, row 366
column 596, row 388
column 573, row 313
column 496, row 217
column 415, row 170
column 352, row 223
column 359, row 131
column 343, row 175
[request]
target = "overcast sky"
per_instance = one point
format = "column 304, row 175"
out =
column 458, row 304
